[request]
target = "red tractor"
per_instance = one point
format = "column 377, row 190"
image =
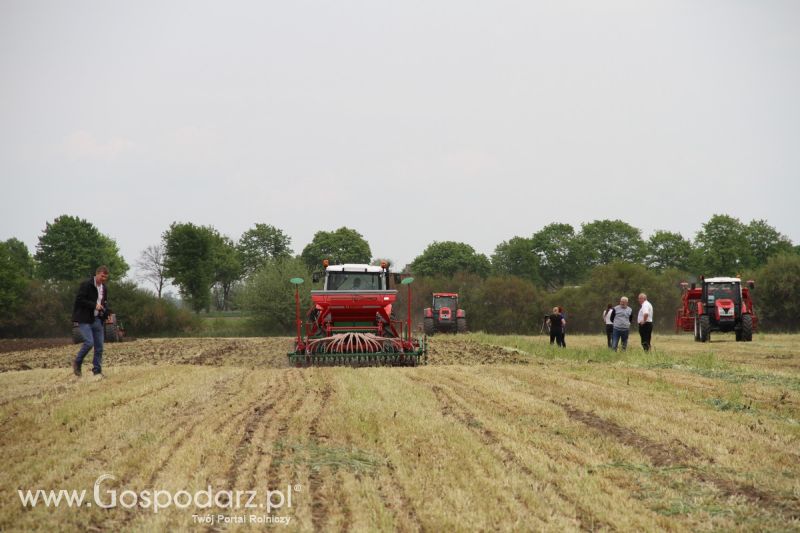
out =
column 351, row 320
column 719, row 304
column 444, row 316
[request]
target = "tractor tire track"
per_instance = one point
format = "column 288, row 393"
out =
column 278, row 392
column 451, row 407
column 255, row 412
column 661, row 455
column 315, row 482
column 406, row 514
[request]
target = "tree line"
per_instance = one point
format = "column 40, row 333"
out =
column 581, row 269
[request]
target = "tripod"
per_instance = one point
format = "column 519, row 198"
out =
column 545, row 330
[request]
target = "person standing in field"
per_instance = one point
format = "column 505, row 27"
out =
column 563, row 326
column 645, row 320
column 90, row 311
column 557, row 324
column 621, row 317
column 609, row 323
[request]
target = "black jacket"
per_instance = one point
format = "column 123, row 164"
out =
column 85, row 302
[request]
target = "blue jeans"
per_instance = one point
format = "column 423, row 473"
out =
column 93, row 336
column 618, row 334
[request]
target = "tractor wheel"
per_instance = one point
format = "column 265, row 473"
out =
column 77, row 336
column 705, row 329
column 747, row 328
column 696, row 329
column 461, row 325
column 738, row 333
column 427, row 325
column 111, row 333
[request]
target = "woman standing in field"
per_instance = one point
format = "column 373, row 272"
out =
column 609, row 323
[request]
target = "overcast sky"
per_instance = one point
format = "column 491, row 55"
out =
column 411, row 122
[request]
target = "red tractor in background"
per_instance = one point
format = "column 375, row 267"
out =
column 444, row 316
column 719, row 304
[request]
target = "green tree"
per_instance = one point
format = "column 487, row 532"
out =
column 191, row 261
column 15, row 273
column 19, row 254
column 503, row 305
column 778, row 287
column 516, row 257
column 342, row 246
column 269, row 296
column 261, row 243
column 765, row 241
column 227, row 269
column 723, row 246
column 71, row 248
column 612, row 240
column 666, row 249
column 447, row 258
column 561, row 253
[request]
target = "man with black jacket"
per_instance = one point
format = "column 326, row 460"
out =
column 90, row 312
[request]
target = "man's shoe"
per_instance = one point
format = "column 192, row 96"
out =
column 76, row 369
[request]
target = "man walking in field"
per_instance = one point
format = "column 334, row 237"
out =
column 645, row 321
column 621, row 317
column 90, row 312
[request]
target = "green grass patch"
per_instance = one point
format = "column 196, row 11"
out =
column 317, row 456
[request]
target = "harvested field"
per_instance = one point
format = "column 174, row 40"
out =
column 494, row 433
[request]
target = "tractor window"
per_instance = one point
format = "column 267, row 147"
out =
column 719, row 291
column 355, row 281
column 448, row 302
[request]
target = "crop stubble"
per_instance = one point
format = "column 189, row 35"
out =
column 484, row 437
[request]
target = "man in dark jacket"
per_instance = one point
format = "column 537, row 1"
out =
column 90, row 312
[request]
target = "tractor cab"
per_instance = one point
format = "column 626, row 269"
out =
column 723, row 298
column 356, row 278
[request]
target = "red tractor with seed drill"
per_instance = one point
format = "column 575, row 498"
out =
column 719, row 304
column 351, row 321
column 444, row 315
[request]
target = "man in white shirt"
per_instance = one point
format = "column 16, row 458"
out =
column 645, row 321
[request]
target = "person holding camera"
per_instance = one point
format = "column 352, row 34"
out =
column 90, row 312
column 557, row 324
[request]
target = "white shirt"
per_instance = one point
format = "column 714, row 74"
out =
column 607, row 316
column 646, row 308
column 100, row 289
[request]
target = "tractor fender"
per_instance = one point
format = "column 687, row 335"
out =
column 428, row 312
column 461, row 313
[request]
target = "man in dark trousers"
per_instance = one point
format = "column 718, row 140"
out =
column 90, row 312
column 557, row 324
column 645, row 321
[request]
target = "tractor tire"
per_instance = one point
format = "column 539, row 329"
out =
column 427, row 326
column 738, row 333
column 705, row 329
column 747, row 328
column 696, row 330
column 461, row 325
column 77, row 336
column 111, row 333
